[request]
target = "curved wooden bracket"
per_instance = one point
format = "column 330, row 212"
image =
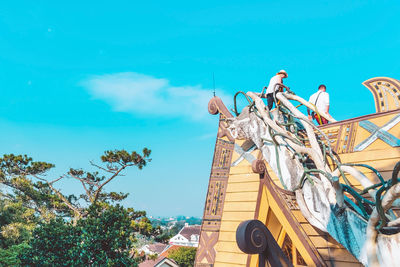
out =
column 253, row 237
column 215, row 106
column 258, row 166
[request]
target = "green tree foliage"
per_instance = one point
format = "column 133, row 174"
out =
column 27, row 181
column 17, row 174
column 163, row 237
column 87, row 228
column 184, row 256
column 176, row 228
column 16, row 222
column 9, row 256
column 103, row 238
column 152, row 256
column 16, row 225
column 53, row 243
column 193, row 220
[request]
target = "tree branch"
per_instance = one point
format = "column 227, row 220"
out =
column 97, row 192
column 60, row 195
column 101, row 168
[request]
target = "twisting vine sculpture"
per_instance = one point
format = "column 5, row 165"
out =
column 302, row 157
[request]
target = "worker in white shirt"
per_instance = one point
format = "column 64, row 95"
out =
column 321, row 100
column 271, row 87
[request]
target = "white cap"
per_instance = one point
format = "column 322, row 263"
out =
column 283, row 72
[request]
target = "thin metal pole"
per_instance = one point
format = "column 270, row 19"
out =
column 214, row 83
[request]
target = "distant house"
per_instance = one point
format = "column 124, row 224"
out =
column 188, row 236
column 155, row 248
column 159, row 262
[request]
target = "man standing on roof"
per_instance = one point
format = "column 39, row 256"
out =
column 321, row 100
column 272, row 87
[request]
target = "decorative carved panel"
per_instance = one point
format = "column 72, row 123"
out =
column 347, row 136
column 211, row 224
column 386, row 92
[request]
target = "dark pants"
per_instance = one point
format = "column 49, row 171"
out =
column 270, row 100
column 323, row 120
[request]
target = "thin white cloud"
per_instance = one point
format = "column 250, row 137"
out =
column 143, row 94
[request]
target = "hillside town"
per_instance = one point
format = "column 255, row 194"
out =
column 157, row 253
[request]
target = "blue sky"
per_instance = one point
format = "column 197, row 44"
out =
column 81, row 77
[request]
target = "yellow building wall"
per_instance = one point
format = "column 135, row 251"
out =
column 240, row 205
column 379, row 154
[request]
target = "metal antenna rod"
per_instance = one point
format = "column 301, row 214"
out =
column 214, row 83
